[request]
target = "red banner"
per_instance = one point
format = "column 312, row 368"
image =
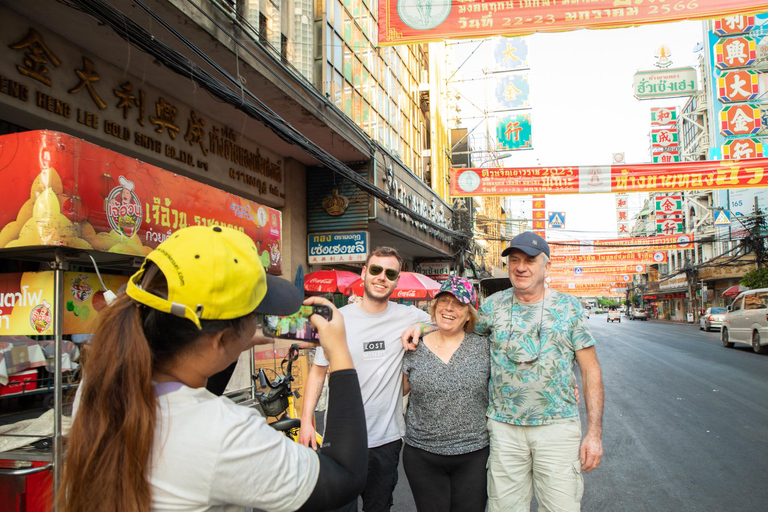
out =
column 718, row 174
column 656, row 243
column 60, row 190
column 412, row 21
column 602, row 270
column 626, row 258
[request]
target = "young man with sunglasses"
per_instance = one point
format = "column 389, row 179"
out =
column 373, row 327
column 533, row 418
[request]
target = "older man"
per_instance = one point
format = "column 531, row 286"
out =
column 533, row 418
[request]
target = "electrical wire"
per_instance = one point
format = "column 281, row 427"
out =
column 136, row 35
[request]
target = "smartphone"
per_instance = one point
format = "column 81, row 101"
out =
column 296, row 326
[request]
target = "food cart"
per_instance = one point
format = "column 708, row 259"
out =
column 76, row 220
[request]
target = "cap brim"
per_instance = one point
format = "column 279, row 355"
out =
column 527, row 250
column 282, row 298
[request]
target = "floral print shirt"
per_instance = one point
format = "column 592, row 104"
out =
column 543, row 338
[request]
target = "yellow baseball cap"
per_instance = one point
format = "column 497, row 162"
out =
column 214, row 273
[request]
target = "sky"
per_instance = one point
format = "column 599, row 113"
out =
column 583, row 110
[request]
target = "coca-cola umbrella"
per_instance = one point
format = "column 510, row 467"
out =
column 328, row 281
column 734, row 291
column 410, row 286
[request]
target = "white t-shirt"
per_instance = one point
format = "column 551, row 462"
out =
column 212, row 455
column 374, row 342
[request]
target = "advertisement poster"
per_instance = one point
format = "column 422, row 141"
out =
column 60, row 190
column 84, row 299
column 26, row 304
column 411, row 21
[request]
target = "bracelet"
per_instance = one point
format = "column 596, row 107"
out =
column 424, row 326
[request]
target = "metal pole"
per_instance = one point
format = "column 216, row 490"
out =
column 59, row 265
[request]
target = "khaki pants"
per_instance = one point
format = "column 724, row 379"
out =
column 544, row 459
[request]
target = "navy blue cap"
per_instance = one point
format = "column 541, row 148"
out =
column 528, row 242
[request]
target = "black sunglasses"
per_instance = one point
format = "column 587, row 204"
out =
column 391, row 273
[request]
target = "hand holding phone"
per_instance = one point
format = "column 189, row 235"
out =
column 296, row 326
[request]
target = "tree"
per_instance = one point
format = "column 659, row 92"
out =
column 757, row 278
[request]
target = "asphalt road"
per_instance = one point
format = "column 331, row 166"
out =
column 685, row 423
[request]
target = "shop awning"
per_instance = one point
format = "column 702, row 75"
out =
column 734, row 291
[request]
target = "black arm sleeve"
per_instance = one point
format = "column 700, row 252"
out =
column 344, row 455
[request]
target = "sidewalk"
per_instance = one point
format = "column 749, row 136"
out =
column 676, row 322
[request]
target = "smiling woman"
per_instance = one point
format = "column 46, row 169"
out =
column 446, row 441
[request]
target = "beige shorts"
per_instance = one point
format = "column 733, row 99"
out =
column 544, row 459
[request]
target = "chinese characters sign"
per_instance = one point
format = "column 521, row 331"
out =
column 63, row 191
column 351, row 247
column 410, row 21
column 94, row 99
column 514, row 132
column 616, row 178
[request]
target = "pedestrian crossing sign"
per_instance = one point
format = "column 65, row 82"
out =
column 722, row 218
column 557, row 220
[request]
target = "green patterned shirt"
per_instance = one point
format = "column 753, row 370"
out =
column 540, row 392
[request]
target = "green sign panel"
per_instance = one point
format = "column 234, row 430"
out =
column 514, row 132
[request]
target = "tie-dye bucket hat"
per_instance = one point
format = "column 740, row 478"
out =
column 460, row 288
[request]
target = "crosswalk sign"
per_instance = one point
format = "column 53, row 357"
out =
column 579, row 271
column 723, row 218
column 556, row 220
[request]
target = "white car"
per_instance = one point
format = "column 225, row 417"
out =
column 747, row 321
column 638, row 314
column 713, row 318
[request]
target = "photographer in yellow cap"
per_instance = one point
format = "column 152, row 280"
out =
column 147, row 435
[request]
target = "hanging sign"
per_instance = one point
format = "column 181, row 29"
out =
column 669, row 205
column 748, row 147
column 669, row 226
column 732, row 25
column 599, row 270
column 26, row 304
column 557, row 220
column 663, row 116
column 723, row 218
column 697, row 175
column 348, row 247
column 740, row 119
column 668, row 83
column 656, row 243
column 735, row 52
column 663, row 137
column 739, row 85
column 63, row 191
column 666, row 157
column 514, row 132
column 415, row 21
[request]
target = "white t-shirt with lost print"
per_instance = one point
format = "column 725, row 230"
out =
column 374, row 342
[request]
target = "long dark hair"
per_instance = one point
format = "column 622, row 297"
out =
column 111, row 438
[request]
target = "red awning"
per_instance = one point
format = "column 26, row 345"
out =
column 734, row 291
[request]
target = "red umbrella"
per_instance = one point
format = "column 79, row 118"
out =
column 411, row 286
column 734, row 291
column 328, row 281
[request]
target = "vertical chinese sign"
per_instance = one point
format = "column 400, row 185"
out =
column 539, row 215
column 664, row 136
column 622, row 216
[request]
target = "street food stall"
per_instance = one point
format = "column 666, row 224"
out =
column 76, row 220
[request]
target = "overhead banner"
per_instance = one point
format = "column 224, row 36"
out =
column 597, row 270
column 656, row 243
column 504, row 181
column 627, row 258
column 418, row 21
column 609, row 280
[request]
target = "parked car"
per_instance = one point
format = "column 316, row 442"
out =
column 712, row 319
column 747, row 321
column 614, row 315
column 638, row 314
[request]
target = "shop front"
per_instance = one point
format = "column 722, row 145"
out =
column 721, row 274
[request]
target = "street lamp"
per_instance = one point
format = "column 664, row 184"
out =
column 496, row 158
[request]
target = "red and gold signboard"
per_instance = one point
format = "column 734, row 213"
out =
column 60, row 190
column 740, row 85
column 410, row 21
column 679, row 176
column 538, row 213
column 732, row 25
column 740, row 120
column 625, row 258
column 735, row 52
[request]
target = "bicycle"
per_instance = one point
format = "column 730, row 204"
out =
column 279, row 401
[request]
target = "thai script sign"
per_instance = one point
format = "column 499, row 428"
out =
column 625, row 258
column 665, row 84
column 435, row 269
column 349, row 247
column 411, row 21
column 26, row 304
column 60, row 190
column 598, row 270
column 613, row 178
column 656, row 243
